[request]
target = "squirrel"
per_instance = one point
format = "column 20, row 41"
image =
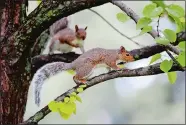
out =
column 64, row 39
column 83, row 66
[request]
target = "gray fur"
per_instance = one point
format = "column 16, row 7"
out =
column 45, row 72
column 83, row 66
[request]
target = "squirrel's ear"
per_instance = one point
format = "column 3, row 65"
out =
column 86, row 28
column 76, row 28
column 122, row 49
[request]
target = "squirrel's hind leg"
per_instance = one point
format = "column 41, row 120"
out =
column 83, row 72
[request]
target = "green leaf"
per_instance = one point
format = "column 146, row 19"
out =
column 66, row 99
column 166, row 65
column 155, row 57
column 175, row 10
column 74, row 111
column 182, row 19
column 72, row 98
column 78, row 98
column 142, row 22
column 80, row 90
column 83, row 86
column 145, row 30
column 64, row 115
column 151, row 10
column 73, row 94
column 53, row 106
column 181, row 45
column 162, row 40
column 181, row 58
column 159, row 3
column 170, row 35
column 122, row 17
column 180, row 26
column 72, row 72
column 67, row 108
column 172, row 77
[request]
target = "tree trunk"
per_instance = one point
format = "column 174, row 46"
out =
column 14, row 80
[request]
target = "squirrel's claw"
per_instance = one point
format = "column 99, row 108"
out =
column 79, row 81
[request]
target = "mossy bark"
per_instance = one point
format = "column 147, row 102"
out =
column 17, row 48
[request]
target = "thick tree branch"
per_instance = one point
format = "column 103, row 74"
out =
column 39, row 61
column 39, row 20
column 145, row 71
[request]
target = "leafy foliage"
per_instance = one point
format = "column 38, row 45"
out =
column 172, row 76
column 181, row 45
column 72, row 72
column 162, row 40
column 175, row 10
column 155, row 58
column 145, row 30
column 159, row 3
column 53, row 106
column 122, row 17
column 170, row 35
column 166, row 65
column 68, row 106
column 144, row 21
column 151, row 10
column 181, row 58
column 177, row 14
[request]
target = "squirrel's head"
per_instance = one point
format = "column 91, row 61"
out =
column 124, row 55
column 81, row 32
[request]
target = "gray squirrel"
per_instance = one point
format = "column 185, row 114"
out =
column 83, row 66
column 63, row 39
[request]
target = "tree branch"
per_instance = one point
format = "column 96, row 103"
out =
column 39, row 20
column 40, row 60
column 145, row 71
column 180, row 36
column 115, row 28
column 153, row 33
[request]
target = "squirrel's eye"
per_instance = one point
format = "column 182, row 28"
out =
column 127, row 54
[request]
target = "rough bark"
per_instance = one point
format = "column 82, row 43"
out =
column 15, row 58
column 15, row 50
column 13, row 79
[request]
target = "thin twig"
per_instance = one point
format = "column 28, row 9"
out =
column 172, row 57
column 158, row 23
column 135, row 17
column 167, row 51
column 115, row 28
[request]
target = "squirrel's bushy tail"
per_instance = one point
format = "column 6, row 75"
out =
column 59, row 25
column 45, row 72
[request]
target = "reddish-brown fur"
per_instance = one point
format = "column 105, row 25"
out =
column 67, row 36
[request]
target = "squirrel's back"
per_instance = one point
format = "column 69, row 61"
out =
column 96, row 54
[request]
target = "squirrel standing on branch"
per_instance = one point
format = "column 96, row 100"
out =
column 64, row 39
column 83, row 66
